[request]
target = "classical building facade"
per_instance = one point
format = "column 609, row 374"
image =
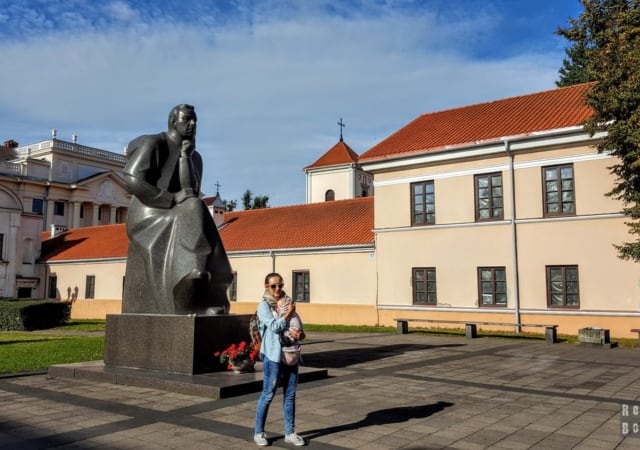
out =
column 52, row 185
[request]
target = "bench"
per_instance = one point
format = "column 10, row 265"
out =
column 471, row 327
column 636, row 330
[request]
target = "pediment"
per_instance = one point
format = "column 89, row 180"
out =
column 106, row 187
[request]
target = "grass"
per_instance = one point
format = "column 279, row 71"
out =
column 36, row 351
column 24, row 351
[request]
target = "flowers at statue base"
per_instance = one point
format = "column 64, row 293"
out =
column 236, row 354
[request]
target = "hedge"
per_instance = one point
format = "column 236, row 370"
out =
column 21, row 315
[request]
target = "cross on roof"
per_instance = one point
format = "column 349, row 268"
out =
column 341, row 125
column 217, row 185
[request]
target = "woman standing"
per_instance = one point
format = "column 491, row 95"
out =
column 275, row 371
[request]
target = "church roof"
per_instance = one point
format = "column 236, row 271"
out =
column 486, row 122
column 326, row 224
column 339, row 223
column 340, row 153
column 99, row 242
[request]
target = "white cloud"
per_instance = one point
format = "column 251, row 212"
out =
column 268, row 93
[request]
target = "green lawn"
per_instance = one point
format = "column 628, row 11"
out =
column 23, row 351
column 73, row 342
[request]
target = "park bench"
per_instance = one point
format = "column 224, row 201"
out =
column 471, row 327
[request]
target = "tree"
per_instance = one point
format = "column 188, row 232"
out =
column 257, row 202
column 609, row 33
column 229, row 205
column 574, row 66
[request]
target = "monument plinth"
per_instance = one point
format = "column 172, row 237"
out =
column 172, row 343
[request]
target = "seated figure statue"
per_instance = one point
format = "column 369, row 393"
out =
column 176, row 262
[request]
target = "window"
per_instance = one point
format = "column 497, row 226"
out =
column 58, row 208
column 562, row 287
column 423, row 203
column 90, row 286
column 53, row 287
column 329, row 196
column 301, row 286
column 233, row 288
column 37, row 205
column 82, row 210
column 424, row 286
column 492, row 286
column 2, row 246
column 489, row 200
column 559, row 191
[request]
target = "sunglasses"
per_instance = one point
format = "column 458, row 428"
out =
column 273, row 286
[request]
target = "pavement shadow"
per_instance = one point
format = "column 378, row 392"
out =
column 387, row 416
column 336, row 359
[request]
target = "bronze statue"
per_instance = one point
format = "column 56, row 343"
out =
column 176, row 262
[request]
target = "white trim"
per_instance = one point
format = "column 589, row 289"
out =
column 357, row 248
column 502, row 222
column 561, row 136
column 84, row 261
column 495, row 168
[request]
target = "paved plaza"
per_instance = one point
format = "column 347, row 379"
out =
column 384, row 391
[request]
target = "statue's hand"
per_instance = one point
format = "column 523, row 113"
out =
column 187, row 149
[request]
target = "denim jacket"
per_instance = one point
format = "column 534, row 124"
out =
column 271, row 328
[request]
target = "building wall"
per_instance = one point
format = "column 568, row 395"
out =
column 72, row 279
column 457, row 245
column 335, row 277
column 347, row 182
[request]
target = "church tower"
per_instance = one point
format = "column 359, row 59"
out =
column 336, row 175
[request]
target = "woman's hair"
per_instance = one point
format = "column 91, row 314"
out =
column 271, row 275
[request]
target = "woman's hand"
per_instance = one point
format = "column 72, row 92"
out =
column 290, row 310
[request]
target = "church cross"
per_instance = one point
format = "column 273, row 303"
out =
column 341, row 125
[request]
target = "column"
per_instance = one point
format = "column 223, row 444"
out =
column 112, row 214
column 76, row 215
column 49, row 215
column 94, row 220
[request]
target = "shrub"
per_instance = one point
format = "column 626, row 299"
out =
column 33, row 314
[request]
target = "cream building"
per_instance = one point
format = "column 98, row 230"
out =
column 498, row 212
column 492, row 213
column 53, row 185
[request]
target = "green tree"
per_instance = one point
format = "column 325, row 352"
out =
column 257, row 202
column 574, row 66
column 229, row 205
column 609, row 33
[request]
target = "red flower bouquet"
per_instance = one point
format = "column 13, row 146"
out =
column 237, row 354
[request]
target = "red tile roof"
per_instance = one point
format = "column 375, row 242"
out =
column 106, row 241
column 515, row 116
column 340, row 153
column 339, row 223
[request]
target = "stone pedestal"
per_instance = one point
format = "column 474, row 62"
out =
column 172, row 343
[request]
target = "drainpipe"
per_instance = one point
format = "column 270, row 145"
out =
column 273, row 261
column 514, row 237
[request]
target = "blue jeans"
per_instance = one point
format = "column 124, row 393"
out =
column 276, row 374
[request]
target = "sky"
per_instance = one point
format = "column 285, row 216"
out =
column 270, row 79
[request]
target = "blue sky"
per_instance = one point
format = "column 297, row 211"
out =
column 269, row 79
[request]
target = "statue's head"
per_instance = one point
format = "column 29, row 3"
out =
column 182, row 120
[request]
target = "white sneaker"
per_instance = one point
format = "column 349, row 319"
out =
column 294, row 439
column 260, row 439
